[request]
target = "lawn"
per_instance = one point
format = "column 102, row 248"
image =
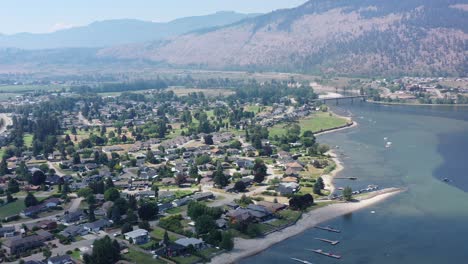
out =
column 28, row 140
column 185, row 260
column 209, row 252
column 290, row 215
column 316, row 122
column 140, row 257
column 158, row 233
column 177, row 210
column 2, row 152
column 252, row 108
column 13, row 208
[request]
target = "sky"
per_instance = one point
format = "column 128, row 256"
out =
column 40, row 16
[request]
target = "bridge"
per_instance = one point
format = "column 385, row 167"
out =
column 336, row 99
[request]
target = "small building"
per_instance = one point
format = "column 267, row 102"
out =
column 45, row 235
column 73, row 217
column 97, row 226
column 17, row 245
column 203, row 196
column 73, row 231
column 196, row 243
column 139, row 236
column 64, row 259
column 287, row 188
column 7, row 231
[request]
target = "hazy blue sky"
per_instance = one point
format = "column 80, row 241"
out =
column 49, row 15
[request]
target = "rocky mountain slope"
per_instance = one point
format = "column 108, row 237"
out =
column 351, row 37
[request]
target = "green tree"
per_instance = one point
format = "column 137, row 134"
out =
column 105, row 251
column 166, row 238
column 111, row 194
column 13, row 186
column 239, row 186
column 30, row 200
column 4, row 167
column 127, row 227
column 10, row 198
column 260, row 170
column 46, row 253
column 148, row 211
column 155, row 188
column 227, row 242
column 204, row 224
column 348, row 193
column 144, row 225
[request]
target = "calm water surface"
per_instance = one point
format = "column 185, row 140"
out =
column 426, row 224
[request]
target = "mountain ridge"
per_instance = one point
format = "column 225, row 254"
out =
column 417, row 37
column 117, row 32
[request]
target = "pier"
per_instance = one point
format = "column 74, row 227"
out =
column 331, row 242
column 321, row 252
column 327, row 228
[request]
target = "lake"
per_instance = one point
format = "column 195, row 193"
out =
column 426, row 224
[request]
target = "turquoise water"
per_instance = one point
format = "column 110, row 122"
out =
column 426, row 224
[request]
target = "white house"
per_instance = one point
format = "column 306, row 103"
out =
column 139, row 236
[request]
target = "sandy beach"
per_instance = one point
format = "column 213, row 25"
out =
column 247, row 247
column 328, row 178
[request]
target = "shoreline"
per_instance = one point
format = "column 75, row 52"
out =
column 244, row 248
column 413, row 104
column 328, row 178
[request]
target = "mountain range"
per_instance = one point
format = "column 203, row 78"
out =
column 341, row 37
column 118, row 32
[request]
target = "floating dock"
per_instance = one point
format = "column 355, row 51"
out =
column 321, row 252
column 346, row 178
column 331, row 242
column 328, row 228
column 301, row 261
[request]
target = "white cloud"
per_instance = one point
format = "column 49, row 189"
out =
column 60, row 26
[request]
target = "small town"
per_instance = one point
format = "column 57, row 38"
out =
column 157, row 176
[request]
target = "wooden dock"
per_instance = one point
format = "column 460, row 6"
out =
column 327, row 254
column 346, row 178
column 301, row 261
column 327, row 228
column 331, row 242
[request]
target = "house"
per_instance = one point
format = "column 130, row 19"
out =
column 287, row 188
column 164, row 207
column 139, row 236
column 51, row 202
column 289, row 179
column 33, row 210
column 64, row 259
column 171, row 250
column 187, row 241
column 203, row 196
column 245, row 164
column 7, row 231
column 73, row 231
column 73, row 217
column 112, row 149
column 45, row 235
column 46, row 225
column 272, row 207
column 97, row 226
column 17, row 245
column 52, row 179
column 181, row 202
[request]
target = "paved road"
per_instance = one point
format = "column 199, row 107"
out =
column 8, row 122
column 72, row 207
column 62, row 249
